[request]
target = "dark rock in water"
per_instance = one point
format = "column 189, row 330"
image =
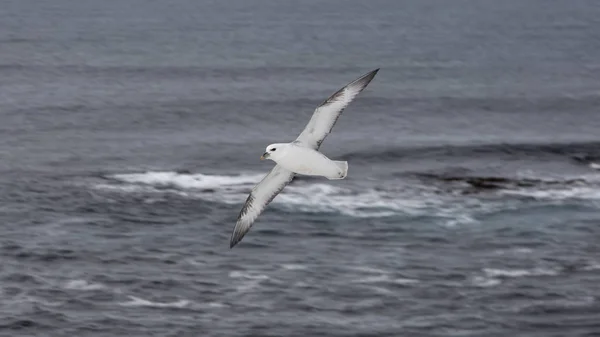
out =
column 581, row 158
column 21, row 324
column 475, row 184
column 487, row 183
column 586, row 159
column 526, row 182
column 568, row 182
column 183, row 171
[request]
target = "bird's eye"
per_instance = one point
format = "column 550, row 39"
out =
column 273, row 149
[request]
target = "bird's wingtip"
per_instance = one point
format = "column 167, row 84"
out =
column 234, row 241
column 365, row 79
column 373, row 72
column 238, row 233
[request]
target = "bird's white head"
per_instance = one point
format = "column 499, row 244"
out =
column 273, row 152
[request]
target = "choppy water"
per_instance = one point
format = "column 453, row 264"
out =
column 130, row 134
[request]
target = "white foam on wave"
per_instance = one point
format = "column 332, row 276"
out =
column 494, row 276
column 187, row 181
column 247, row 281
column 595, row 166
column 493, row 272
column 460, row 219
column 83, row 285
column 250, row 276
column 140, row 302
column 514, row 251
column 125, row 188
column 385, row 279
column 485, row 282
column 579, row 192
column 320, row 196
column 293, row 266
column 233, row 189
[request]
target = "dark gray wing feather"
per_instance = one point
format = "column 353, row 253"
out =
column 325, row 116
column 260, row 196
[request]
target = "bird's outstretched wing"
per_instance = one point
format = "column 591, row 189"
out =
column 260, row 196
column 325, row 116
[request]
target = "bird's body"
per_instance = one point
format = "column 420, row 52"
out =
column 301, row 156
column 303, row 160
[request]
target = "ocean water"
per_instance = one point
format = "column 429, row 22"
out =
column 130, row 136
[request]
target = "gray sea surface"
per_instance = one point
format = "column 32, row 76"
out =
column 130, row 136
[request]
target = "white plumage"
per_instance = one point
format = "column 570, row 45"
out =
column 299, row 159
column 300, row 156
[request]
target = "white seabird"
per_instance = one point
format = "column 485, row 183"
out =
column 300, row 156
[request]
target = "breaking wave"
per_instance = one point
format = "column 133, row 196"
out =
column 302, row 196
column 586, row 187
column 188, row 181
column 428, row 195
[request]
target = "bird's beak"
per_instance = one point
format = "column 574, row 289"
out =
column 264, row 156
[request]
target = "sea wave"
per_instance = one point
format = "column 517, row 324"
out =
column 83, row 285
column 188, row 181
column 493, row 276
column 140, row 302
column 304, row 196
column 496, row 272
column 582, row 193
column 583, row 186
column 582, row 152
column 453, row 199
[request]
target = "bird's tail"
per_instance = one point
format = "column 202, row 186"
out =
column 343, row 165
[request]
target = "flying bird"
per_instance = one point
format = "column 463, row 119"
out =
column 301, row 156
